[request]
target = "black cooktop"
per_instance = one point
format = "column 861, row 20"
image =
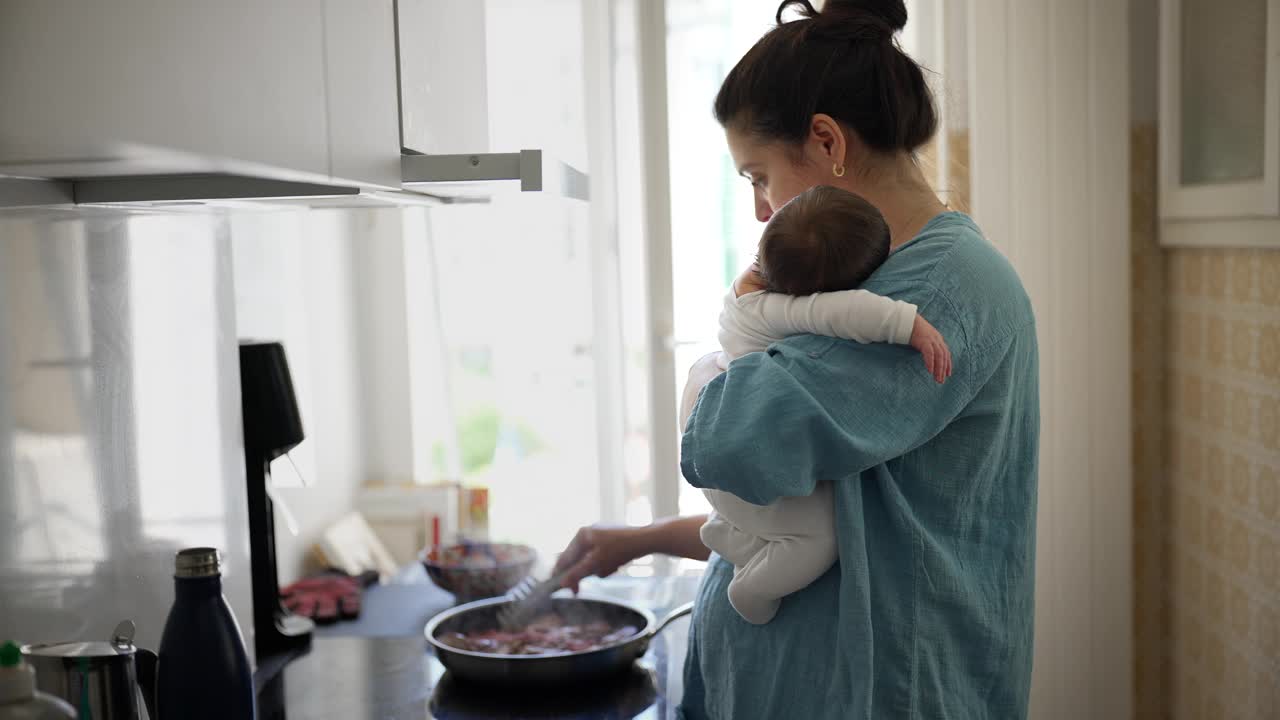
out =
column 397, row 678
column 380, row 666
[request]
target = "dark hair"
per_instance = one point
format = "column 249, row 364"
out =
column 842, row 61
column 823, row 240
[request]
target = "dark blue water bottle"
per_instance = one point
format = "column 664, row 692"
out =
column 203, row 670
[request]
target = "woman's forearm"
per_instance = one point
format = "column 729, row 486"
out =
column 676, row 536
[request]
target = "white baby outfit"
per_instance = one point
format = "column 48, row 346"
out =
column 780, row 548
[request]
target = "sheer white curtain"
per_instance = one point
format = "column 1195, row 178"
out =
column 1048, row 112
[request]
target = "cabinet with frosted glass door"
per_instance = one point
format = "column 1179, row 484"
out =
column 1220, row 122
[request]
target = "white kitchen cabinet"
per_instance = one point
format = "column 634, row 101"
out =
column 1220, row 122
column 161, row 86
column 492, row 97
column 360, row 65
column 536, row 79
column 444, row 102
column 292, row 98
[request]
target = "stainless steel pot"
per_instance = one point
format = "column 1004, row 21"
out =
column 541, row 670
column 102, row 680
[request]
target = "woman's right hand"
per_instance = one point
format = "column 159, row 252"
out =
column 599, row 550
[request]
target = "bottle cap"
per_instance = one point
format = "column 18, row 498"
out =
column 197, row 562
column 17, row 679
column 10, row 655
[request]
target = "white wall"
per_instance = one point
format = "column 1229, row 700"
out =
column 295, row 282
column 1049, row 116
column 380, row 276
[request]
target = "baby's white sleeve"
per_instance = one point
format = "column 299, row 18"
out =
column 850, row 314
column 742, row 329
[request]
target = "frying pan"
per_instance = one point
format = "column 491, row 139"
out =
column 529, row 670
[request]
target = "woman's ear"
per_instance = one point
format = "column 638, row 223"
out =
column 827, row 137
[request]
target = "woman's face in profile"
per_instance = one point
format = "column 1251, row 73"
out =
column 772, row 170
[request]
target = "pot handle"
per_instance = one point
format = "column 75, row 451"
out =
column 147, row 664
column 672, row 616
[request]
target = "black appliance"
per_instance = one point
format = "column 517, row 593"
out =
column 272, row 427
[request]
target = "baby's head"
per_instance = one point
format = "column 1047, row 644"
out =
column 825, row 239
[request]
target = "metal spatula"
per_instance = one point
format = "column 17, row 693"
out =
column 526, row 600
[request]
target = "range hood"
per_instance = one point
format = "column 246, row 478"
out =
column 333, row 104
column 481, row 175
column 305, row 108
column 426, row 180
column 194, row 191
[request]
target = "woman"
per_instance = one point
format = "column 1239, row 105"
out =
column 928, row 612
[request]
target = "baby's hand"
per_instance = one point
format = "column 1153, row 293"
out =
column 937, row 358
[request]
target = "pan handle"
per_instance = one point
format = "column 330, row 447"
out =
column 671, row 617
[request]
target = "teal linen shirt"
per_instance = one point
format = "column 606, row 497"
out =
column 928, row 613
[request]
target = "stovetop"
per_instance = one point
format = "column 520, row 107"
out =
column 397, row 677
column 385, row 678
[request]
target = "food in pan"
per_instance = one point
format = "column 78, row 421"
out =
column 546, row 635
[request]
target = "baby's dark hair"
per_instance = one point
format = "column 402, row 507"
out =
column 825, row 239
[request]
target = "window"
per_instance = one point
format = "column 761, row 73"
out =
column 713, row 227
column 542, row 419
column 714, row 232
column 528, row 349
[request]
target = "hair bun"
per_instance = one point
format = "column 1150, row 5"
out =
column 842, row 62
column 865, row 17
column 893, row 13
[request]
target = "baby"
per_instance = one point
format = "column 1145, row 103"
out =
column 813, row 252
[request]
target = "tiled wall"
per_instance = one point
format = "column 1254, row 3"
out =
column 1207, row 471
column 1223, row 389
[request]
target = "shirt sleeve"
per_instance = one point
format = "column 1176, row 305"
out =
column 742, row 330
column 777, row 423
column 850, row 314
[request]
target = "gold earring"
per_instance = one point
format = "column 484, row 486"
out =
column 837, row 170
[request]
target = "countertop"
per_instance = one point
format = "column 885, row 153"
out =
column 381, row 667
